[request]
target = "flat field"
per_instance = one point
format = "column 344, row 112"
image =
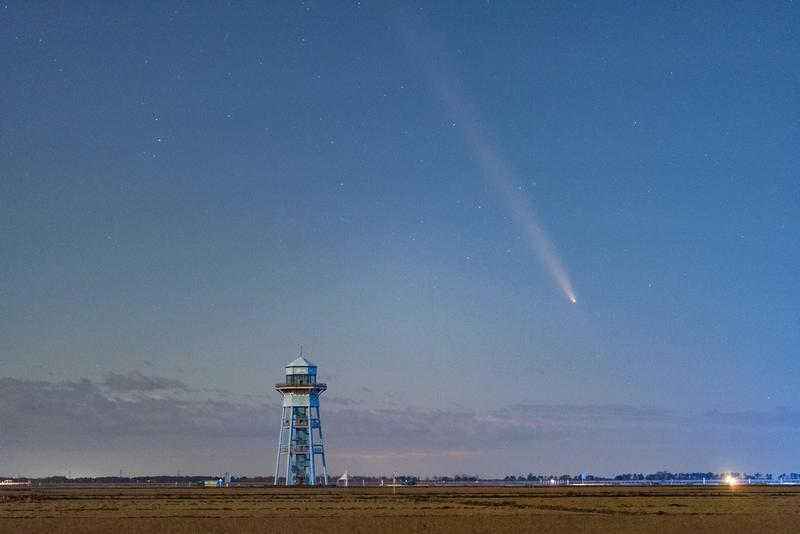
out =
column 413, row 509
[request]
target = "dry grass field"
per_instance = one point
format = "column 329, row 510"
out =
column 413, row 509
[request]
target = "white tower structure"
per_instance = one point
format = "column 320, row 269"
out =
column 300, row 438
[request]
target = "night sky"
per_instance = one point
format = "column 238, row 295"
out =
column 414, row 193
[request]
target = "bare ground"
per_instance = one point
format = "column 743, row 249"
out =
column 413, row 509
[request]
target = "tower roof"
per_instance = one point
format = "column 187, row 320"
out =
column 301, row 362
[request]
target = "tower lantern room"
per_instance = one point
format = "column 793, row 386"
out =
column 300, row 438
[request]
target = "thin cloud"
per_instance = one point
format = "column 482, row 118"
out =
column 88, row 420
column 136, row 381
column 342, row 401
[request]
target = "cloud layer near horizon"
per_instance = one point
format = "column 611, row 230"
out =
column 147, row 424
column 136, row 381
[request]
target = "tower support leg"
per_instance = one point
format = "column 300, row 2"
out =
column 280, row 446
column 322, row 449
column 309, row 421
column 289, row 453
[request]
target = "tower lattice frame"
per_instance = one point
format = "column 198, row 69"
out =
column 300, row 439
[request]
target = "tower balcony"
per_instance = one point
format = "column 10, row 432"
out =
column 301, row 389
column 300, row 423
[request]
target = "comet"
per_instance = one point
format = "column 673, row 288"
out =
column 493, row 163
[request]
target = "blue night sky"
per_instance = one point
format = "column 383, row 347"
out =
column 190, row 191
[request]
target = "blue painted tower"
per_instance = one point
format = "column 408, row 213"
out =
column 300, row 438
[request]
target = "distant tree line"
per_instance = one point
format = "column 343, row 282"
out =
column 530, row 477
column 657, row 476
column 356, row 480
column 456, row 478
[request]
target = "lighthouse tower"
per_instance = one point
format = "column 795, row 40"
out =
column 300, row 438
